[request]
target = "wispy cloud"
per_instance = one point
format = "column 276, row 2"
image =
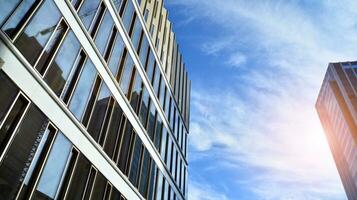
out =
column 265, row 119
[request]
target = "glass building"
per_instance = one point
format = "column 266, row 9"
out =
column 94, row 101
column 337, row 109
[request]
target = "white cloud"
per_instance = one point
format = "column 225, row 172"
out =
column 204, row 192
column 267, row 119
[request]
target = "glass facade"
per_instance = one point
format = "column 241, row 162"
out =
column 48, row 165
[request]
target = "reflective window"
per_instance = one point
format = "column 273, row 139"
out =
column 116, row 55
column 169, row 153
column 124, row 150
column 126, row 76
column 135, row 161
column 62, row 65
column 98, row 114
column 151, row 122
column 54, row 168
column 144, row 50
column 8, row 92
column 174, row 162
column 135, row 37
column 163, row 143
column 20, row 154
column 104, row 32
column 156, row 80
column 36, row 34
column 51, row 47
column 144, row 175
column 15, row 22
column 144, row 107
column 158, row 133
column 88, row 11
column 163, row 91
column 6, row 8
column 159, row 186
column 136, row 91
column 152, row 181
column 128, row 15
column 150, row 67
column 117, row 3
column 83, row 89
column 113, row 130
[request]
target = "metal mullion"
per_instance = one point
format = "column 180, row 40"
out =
column 108, row 191
column 112, row 38
column 34, row 186
column 50, row 40
column 2, row 155
column 27, row 20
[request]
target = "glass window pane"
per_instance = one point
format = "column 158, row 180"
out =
column 88, row 11
column 99, row 187
column 125, row 145
column 135, row 161
column 126, row 76
column 135, row 37
column 104, row 31
column 151, row 125
column 144, row 175
column 128, row 15
column 36, row 34
column 16, row 163
column 8, row 92
column 99, row 112
column 144, row 50
column 113, row 130
column 62, row 65
column 150, row 66
column 144, row 109
column 54, row 168
column 152, row 181
column 159, row 188
column 136, row 91
column 116, row 55
column 83, row 89
column 6, row 8
column 13, row 24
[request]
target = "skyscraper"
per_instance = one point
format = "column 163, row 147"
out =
column 337, row 109
column 94, row 101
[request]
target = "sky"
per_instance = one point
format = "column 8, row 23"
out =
column 256, row 68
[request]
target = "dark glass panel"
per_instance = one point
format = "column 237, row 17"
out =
column 92, row 101
column 113, row 130
column 99, row 187
column 59, row 70
column 51, row 47
column 107, row 119
column 83, row 90
column 36, row 34
column 54, row 169
column 90, row 182
column 135, row 161
column 104, row 32
column 6, row 8
column 8, row 92
column 135, row 37
column 88, row 11
column 107, row 192
column 15, row 164
column 99, row 112
column 12, row 120
column 127, row 73
column 79, row 179
column 144, row 175
column 125, row 148
column 115, row 194
column 163, row 91
column 116, row 55
column 152, row 181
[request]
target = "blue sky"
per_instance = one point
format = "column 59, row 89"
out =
column 256, row 67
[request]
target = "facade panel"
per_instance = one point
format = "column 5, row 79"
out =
column 85, row 107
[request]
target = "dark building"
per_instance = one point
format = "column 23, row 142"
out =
column 336, row 106
column 94, row 101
